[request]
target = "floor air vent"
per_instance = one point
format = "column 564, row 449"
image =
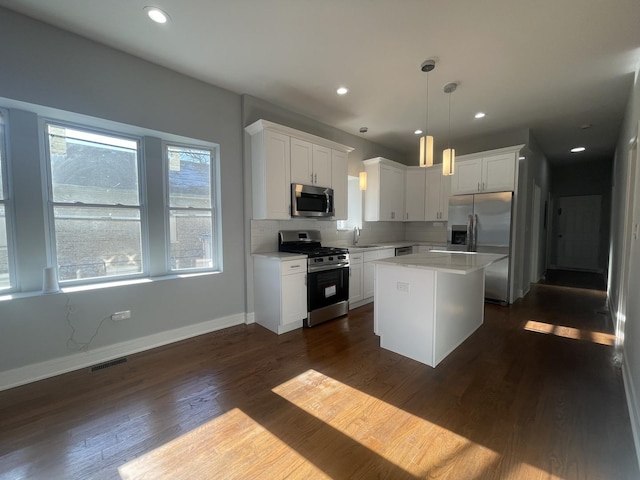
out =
column 111, row 363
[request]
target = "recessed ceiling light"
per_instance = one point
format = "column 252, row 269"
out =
column 342, row 91
column 578, row 149
column 157, row 15
column 522, row 157
column 480, row 115
column 418, row 132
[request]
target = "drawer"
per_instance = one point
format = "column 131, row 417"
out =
column 368, row 256
column 288, row 267
column 387, row 253
column 356, row 257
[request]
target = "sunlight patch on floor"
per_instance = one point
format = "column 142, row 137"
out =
column 570, row 332
column 415, row 445
column 232, row 445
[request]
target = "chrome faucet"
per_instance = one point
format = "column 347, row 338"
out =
column 356, row 235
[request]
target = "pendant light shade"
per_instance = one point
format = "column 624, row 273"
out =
column 426, row 141
column 426, row 151
column 449, row 161
column 449, row 155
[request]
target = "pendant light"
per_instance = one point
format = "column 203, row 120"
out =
column 362, row 176
column 426, row 140
column 449, row 155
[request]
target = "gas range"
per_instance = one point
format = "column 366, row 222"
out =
column 308, row 243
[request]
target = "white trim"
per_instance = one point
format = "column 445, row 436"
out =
column 260, row 125
column 251, row 318
column 58, row 366
column 632, row 401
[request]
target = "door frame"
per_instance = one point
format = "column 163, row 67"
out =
column 536, row 210
column 627, row 243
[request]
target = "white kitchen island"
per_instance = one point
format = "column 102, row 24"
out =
column 427, row 304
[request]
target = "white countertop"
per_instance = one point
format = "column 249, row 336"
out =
column 449, row 262
column 396, row 244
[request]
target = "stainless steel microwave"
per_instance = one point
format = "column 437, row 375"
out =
column 310, row 201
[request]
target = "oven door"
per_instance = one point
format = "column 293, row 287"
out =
column 327, row 287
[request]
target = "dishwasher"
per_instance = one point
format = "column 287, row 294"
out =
column 403, row 251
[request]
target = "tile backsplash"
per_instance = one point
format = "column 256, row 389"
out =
column 264, row 233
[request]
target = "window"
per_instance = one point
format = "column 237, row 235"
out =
column 95, row 208
column 354, row 213
column 190, row 207
column 6, row 263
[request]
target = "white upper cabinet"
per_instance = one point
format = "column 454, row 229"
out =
column 492, row 171
column 438, row 189
column 340, row 184
column 322, row 166
column 271, row 181
column 414, row 203
column 310, row 163
column 281, row 156
column 384, row 197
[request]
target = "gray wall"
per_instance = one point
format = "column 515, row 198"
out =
column 624, row 300
column 47, row 66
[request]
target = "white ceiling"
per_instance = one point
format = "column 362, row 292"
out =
column 548, row 65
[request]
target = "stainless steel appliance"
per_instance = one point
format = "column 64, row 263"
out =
column 327, row 274
column 403, row 251
column 310, row 201
column 482, row 223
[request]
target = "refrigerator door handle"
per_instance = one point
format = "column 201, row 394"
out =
column 470, row 233
column 475, row 232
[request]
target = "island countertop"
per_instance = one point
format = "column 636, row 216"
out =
column 449, row 262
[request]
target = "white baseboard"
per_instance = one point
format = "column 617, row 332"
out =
column 57, row 366
column 251, row 318
column 632, row 404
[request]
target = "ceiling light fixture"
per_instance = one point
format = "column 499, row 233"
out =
column 342, row 91
column 578, row 149
column 426, row 140
column 480, row 115
column 449, row 155
column 156, row 14
column 362, row 176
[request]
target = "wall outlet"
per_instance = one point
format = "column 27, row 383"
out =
column 402, row 287
column 119, row 316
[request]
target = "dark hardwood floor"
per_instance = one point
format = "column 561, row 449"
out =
column 533, row 394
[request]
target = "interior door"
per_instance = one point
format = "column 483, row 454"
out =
column 577, row 221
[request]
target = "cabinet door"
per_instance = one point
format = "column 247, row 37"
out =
column 391, row 194
column 467, row 177
column 321, row 166
column 277, row 180
column 498, row 173
column 294, row 298
column 433, row 194
column 445, row 192
column 301, row 161
column 340, row 184
column 355, row 282
column 368, row 286
column 414, row 194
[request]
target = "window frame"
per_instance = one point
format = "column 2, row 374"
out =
column 7, row 202
column 50, row 204
column 214, row 190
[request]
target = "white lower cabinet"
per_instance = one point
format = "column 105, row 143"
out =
column 280, row 292
column 369, row 270
column 356, row 272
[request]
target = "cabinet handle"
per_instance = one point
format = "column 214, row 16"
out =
column 311, row 178
column 305, row 279
column 294, row 266
column 483, row 186
column 315, row 178
column 478, row 186
column 407, row 216
column 349, row 271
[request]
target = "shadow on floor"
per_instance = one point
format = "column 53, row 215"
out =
column 575, row 279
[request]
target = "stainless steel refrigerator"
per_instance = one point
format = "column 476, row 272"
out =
column 482, row 223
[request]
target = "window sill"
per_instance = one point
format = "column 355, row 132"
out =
column 104, row 285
